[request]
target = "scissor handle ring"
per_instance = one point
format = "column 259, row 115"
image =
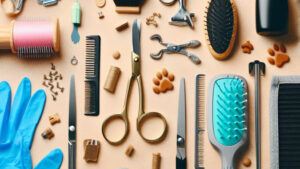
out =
column 142, row 119
column 108, row 121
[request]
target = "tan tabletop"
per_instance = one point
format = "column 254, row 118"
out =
column 13, row 69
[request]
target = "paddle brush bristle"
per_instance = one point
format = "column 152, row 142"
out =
column 221, row 27
column 229, row 111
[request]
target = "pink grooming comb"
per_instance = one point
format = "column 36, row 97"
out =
column 31, row 39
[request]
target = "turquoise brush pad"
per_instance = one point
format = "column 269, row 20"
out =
column 229, row 106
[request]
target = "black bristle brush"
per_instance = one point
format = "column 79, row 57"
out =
column 221, row 24
column 92, row 76
column 128, row 6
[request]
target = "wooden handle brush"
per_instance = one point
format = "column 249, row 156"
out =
column 31, row 39
column 128, row 6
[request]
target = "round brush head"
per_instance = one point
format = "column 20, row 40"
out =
column 31, row 38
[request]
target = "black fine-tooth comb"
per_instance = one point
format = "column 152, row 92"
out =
column 92, row 75
column 221, row 27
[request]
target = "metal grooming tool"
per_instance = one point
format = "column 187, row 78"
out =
column 72, row 125
column 200, row 121
column 257, row 69
column 183, row 17
column 142, row 115
column 172, row 48
column 17, row 7
column 181, row 128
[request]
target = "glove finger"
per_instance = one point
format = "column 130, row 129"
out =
column 20, row 102
column 52, row 161
column 31, row 117
column 5, row 101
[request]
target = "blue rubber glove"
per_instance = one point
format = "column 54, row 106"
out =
column 17, row 127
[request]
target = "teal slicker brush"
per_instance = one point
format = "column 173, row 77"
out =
column 228, row 117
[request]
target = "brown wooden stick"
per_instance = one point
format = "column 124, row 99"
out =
column 128, row 9
column 156, row 159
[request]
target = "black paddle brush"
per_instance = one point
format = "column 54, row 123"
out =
column 221, row 25
column 128, row 6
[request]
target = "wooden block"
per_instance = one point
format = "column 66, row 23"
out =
column 156, row 159
column 54, row 119
column 48, row 134
column 128, row 9
column 129, row 151
column 122, row 26
column 91, row 150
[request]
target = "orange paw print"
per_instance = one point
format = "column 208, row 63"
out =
column 278, row 55
column 163, row 82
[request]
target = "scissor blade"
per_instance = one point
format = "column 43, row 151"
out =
column 181, row 141
column 72, row 110
column 72, row 125
column 181, row 110
column 136, row 37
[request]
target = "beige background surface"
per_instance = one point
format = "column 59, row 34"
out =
column 13, row 69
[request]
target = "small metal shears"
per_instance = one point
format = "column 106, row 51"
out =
column 172, row 48
column 142, row 116
column 181, row 128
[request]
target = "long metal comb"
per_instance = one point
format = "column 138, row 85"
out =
column 200, row 121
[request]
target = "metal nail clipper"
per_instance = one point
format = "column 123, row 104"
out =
column 172, row 48
column 183, row 17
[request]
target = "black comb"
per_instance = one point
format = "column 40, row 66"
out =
column 92, row 75
column 221, row 27
column 289, row 126
column 128, row 2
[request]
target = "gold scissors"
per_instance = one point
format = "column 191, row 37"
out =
column 142, row 116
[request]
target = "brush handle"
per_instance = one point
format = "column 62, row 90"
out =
column 128, row 9
column 9, row 35
column 6, row 36
column 228, row 161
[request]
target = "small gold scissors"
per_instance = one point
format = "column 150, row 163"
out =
column 142, row 116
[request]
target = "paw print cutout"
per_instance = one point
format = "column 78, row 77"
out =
column 278, row 55
column 163, row 82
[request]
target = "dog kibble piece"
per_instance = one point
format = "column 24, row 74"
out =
column 247, row 47
column 129, row 151
column 281, row 59
column 54, row 119
column 282, row 48
column 165, row 72
column 91, row 150
column 271, row 52
column 276, row 47
column 159, row 75
column 171, row 77
column 156, row 81
column 116, row 55
column 48, row 134
column 247, row 50
column 166, row 85
column 271, row 60
column 122, row 26
column 156, row 90
column 247, row 162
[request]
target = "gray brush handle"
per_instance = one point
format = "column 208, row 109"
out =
column 228, row 161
